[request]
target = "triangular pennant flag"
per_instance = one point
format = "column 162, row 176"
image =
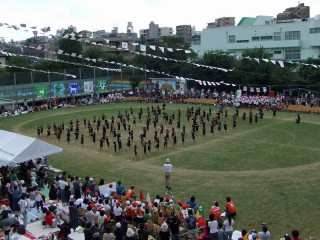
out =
column 257, row 90
column 161, row 49
column 124, row 45
column 264, row 89
column 141, row 196
column 73, row 54
column 187, row 51
column 274, row 62
column 60, row 51
column 170, row 49
column 148, row 199
column 251, row 89
column 152, row 47
column 143, row 48
column 281, row 64
column 257, row 59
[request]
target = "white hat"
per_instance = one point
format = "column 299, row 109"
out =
column 164, row 226
column 171, row 200
column 168, row 160
column 22, row 182
column 91, row 179
column 128, row 202
column 130, row 232
column 118, row 225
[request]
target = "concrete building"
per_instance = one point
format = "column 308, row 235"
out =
column 222, row 22
column 295, row 39
column 153, row 30
column 165, row 31
column 298, row 12
column 184, row 31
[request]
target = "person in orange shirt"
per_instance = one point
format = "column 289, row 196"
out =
column 230, row 208
column 140, row 213
column 215, row 210
column 131, row 192
column 134, row 212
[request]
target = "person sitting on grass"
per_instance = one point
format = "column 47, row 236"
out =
column 51, row 220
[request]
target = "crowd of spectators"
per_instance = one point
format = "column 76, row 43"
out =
column 222, row 98
column 116, row 213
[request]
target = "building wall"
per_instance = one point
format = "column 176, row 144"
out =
column 184, row 31
column 2, row 60
column 271, row 36
column 166, row 31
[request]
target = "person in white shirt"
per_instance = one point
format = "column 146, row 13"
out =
column 167, row 169
column 23, row 204
column 228, row 227
column 117, row 211
column 213, row 226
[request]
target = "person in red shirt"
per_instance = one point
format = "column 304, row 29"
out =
column 295, row 235
column 51, row 220
column 230, row 207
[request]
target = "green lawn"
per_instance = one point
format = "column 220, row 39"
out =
column 270, row 169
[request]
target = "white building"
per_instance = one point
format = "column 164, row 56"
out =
column 295, row 39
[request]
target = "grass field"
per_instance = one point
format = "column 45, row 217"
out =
column 270, row 169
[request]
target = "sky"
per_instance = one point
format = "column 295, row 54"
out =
column 105, row 14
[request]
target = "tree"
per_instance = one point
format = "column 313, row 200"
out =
column 19, row 61
column 309, row 74
column 134, row 82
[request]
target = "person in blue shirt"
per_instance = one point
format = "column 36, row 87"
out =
column 120, row 189
column 193, row 204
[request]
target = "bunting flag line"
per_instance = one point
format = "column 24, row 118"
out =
column 89, row 87
column 41, row 71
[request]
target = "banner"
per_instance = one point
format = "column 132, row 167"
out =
column 102, row 85
column 58, row 90
column 42, row 91
column 73, row 88
column 238, row 93
column 167, row 86
column 88, row 87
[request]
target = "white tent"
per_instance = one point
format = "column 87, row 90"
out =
column 17, row 148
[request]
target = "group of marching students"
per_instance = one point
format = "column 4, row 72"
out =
column 156, row 127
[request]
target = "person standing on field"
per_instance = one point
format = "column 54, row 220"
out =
column 167, row 169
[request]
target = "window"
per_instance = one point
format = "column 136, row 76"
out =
column 232, row 38
column 255, row 39
column 292, row 54
column 267, row 22
column 265, row 38
column 277, row 36
column 292, row 35
column 277, row 52
column 242, row 41
column 315, row 30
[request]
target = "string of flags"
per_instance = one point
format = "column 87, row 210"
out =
column 41, row 71
column 201, row 82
